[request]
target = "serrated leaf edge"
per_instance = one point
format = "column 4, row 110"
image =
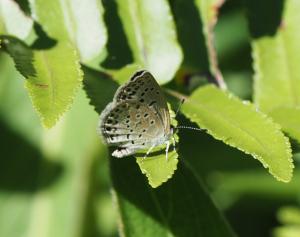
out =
column 194, row 118
column 69, row 99
column 285, row 107
column 150, row 177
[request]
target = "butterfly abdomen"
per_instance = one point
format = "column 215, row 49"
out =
column 122, row 152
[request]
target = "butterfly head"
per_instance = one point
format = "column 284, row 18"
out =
column 172, row 130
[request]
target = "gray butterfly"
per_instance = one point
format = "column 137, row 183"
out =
column 137, row 118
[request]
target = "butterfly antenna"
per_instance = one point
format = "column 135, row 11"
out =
column 187, row 127
column 179, row 106
column 184, row 127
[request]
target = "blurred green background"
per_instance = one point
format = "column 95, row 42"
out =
column 62, row 174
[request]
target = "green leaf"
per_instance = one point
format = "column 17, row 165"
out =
column 289, row 119
column 17, row 102
column 122, row 75
column 231, row 185
column 208, row 10
column 287, row 231
column 51, row 179
column 151, row 35
column 289, row 215
column 58, row 76
column 276, row 63
column 80, row 22
column 277, row 75
column 180, row 208
column 84, row 20
column 13, row 21
column 21, row 54
column 74, row 144
column 100, row 88
column 157, row 169
column 195, row 54
column 52, row 76
column 54, row 24
column 240, row 125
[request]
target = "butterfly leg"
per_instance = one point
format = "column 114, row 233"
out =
column 150, row 149
column 122, row 152
column 174, row 143
column 167, row 149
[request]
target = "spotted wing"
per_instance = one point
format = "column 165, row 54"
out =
column 143, row 88
column 130, row 126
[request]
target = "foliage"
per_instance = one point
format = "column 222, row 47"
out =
column 239, row 125
column 72, row 55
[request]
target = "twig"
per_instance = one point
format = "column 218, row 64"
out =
column 214, row 67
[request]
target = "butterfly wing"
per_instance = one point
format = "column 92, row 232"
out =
column 130, row 125
column 143, row 88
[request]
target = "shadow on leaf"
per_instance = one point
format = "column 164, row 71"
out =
column 21, row 54
column 119, row 53
column 100, row 88
column 43, row 41
column 183, row 195
column 21, row 165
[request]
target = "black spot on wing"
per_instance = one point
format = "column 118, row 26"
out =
column 152, row 103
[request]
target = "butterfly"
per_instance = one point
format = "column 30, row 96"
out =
column 137, row 118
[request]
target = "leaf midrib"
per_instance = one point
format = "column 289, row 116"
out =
column 138, row 31
column 161, row 213
column 229, row 121
column 50, row 80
